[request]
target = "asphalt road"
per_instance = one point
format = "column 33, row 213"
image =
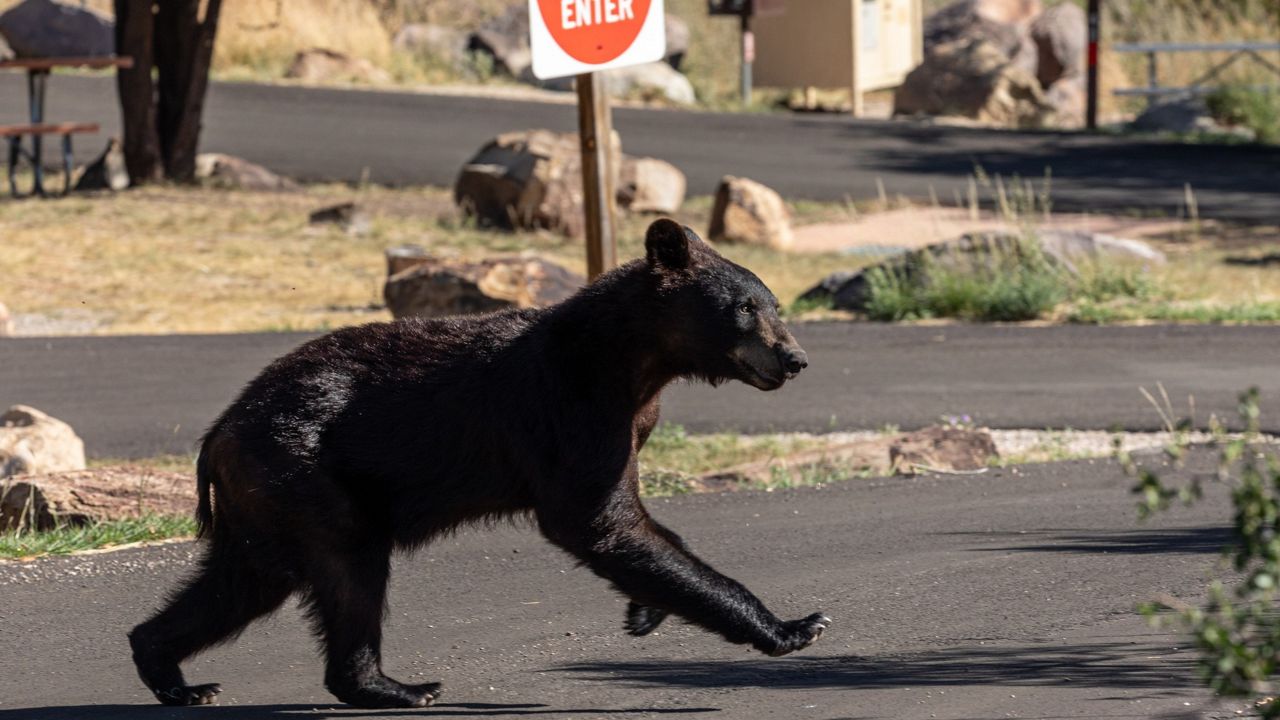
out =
column 139, row 396
column 404, row 138
column 994, row 596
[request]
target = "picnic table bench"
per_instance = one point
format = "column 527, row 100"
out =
column 38, row 71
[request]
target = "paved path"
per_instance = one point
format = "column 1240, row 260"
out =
column 995, row 596
column 403, row 138
column 138, row 396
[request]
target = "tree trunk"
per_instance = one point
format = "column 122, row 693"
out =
column 182, row 44
column 134, row 32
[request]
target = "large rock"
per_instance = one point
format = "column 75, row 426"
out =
column 650, row 81
column 973, row 80
column 505, row 38
column 677, row 40
column 527, row 180
column 748, row 212
column 107, row 172
column 1061, row 35
column 433, row 41
column 650, row 185
column 1069, row 99
column 942, row 449
column 319, row 65
column 233, row 173
column 33, row 442
column 1006, row 24
column 46, row 501
column 6, row 321
column 47, row 28
column 983, row 252
column 430, row 287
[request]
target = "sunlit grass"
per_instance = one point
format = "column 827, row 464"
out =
column 66, row 540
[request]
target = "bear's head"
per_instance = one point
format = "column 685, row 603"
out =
column 722, row 323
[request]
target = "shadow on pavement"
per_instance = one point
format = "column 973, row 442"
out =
column 1120, row 665
column 279, row 712
column 1179, row 541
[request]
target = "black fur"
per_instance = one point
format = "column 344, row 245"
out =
column 382, row 437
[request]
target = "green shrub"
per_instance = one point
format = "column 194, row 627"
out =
column 1256, row 109
column 1237, row 631
column 1017, row 285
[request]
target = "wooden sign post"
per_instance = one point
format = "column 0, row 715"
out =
column 595, row 128
column 581, row 38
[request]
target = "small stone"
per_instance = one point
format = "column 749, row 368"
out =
column 347, row 215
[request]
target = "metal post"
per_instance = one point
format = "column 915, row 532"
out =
column 1091, row 111
column 748, row 56
column 1153, row 77
column 595, row 129
column 36, row 83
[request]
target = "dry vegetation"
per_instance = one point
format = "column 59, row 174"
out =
column 170, row 259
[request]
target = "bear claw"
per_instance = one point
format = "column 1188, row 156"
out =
column 642, row 620
column 184, row 695
column 801, row 634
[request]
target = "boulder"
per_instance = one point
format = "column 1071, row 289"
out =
column 6, row 321
column 50, row 500
column 440, row 287
column 527, row 180
column 49, row 28
column 1065, row 249
column 973, row 80
column 403, row 257
column 942, row 448
column 1061, row 36
column 677, row 40
column 748, row 212
column 348, row 216
column 650, row 81
column 33, row 442
column 107, row 172
column 319, row 65
column 233, row 173
column 434, row 41
column 650, row 185
column 1069, row 99
column 505, row 38
column 1006, row 24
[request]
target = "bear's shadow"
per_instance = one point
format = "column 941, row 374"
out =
column 280, row 712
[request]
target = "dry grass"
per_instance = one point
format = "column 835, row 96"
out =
column 172, row 259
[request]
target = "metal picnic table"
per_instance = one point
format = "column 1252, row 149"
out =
column 38, row 71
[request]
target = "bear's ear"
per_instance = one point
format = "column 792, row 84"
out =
column 669, row 245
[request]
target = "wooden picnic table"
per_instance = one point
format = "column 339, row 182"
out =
column 38, row 71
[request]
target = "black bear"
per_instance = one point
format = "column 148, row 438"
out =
column 381, row 437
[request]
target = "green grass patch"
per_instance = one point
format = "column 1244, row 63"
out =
column 1092, row 313
column 1021, row 285
column 70, row 539
column 1253, row 108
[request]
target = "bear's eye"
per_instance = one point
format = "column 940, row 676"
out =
column 746, row 308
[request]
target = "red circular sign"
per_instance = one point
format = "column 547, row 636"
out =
column 594, row 31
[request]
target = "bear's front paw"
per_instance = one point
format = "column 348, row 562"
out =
column 642, row 620
column 799, row 634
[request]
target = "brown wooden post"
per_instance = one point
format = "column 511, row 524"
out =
column 595, row 128
column 1091, row 102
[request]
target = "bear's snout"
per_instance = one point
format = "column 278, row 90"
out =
column 794, row 359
